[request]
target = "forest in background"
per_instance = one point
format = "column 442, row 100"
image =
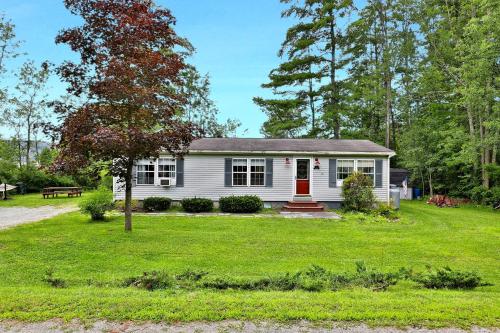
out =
column 419, row 77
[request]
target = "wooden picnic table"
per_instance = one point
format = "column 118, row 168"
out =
column 55, row 191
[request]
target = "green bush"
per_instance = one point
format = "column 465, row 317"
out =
column 120, row 204
column 386, row 211
column 483, row 196
column 97, row 204
column 357, row 191
column 158, row 204
column 35, row 179
column 241, row 204
column 446, row 278
column 150, row 281
column 197, row 205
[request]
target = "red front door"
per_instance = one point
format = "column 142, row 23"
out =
column 302, row 177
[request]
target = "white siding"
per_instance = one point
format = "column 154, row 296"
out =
column 204, row 177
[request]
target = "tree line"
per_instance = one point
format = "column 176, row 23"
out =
column 420, row 77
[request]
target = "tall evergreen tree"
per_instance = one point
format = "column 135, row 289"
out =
column 308, row 80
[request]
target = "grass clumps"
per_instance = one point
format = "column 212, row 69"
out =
column 53, row 281
column 150, row 281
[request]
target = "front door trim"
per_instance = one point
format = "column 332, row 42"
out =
column 294, row 175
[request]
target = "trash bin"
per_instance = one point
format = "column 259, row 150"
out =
column 417, row 193
column 21, row 188
column 395, row 196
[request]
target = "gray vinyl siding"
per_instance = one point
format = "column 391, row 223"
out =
column 323, row 192
column 204, row 177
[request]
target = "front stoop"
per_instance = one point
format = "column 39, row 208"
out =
column 303, row 206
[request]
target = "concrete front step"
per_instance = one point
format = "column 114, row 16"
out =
column 303, row 206
column 302, row 203
column 302, row 198
column 318, row 208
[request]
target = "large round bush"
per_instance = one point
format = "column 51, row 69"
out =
column 241, row 204
column 156, row 204
column 197, row 205
column 357, row 191
column 97, row 204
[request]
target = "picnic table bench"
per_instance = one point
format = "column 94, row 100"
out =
column 55, row 191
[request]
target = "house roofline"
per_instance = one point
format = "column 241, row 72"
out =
column 269, row 152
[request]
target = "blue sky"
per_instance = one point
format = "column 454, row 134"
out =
column 236, row 43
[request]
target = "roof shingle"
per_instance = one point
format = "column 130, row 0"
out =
column 291, row 145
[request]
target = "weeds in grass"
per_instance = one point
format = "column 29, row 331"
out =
column 53, row 281
column 313, row 279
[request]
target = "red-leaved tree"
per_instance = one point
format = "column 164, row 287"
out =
column 129, row 75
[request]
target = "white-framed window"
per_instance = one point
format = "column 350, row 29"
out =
column 367, row 167
column 166, row 168
column 249, row 171
column 145, row 172
column 257, row 171
column 344, row 169
column 240, row 172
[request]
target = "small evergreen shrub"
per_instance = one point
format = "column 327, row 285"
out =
column 357, row 191
column 150, row 281
column 241, row 204
column 157, row 204
column 447, row 278
column 197, row 205
column 97, row 204
column 53, row 281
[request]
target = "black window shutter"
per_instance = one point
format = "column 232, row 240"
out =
column 332, row 173
column 179, row 173
column 378, row 172
column 228, row 172
column 269, row 172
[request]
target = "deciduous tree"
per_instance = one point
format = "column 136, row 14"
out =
column 129, row 70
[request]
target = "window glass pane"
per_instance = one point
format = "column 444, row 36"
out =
column 257, row 172
column 240, row 172
column 367, row 168
column 145, row 173
column 166, row 168
column 344, row 168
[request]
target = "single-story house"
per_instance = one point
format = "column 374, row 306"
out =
column 276, row 170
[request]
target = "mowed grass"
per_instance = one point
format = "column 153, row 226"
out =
column 93, row 258
column 37, row 200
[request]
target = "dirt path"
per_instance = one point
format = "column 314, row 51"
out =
column 12, row 216
column 225, row 326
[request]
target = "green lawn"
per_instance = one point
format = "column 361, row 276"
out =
column 80, row 251
column 36, row 200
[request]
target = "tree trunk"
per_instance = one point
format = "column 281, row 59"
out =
column 128, row 196
column 431, row 191
column 388, row 109
column 333, row 82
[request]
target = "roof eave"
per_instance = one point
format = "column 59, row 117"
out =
column 346, row 153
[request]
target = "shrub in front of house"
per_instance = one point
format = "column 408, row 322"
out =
column 386, row 211
column 120, row 204
column 197, row 205
column 97, row 204
column 357, row 191
column 156, row 204
column 241, row 204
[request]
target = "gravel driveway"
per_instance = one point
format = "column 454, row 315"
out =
column 224, row 326
column 12, row 216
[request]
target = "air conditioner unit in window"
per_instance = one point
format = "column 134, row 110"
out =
column 165, row 182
